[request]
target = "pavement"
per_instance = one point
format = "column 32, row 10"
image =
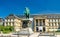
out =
column 32, row 35
column 37, row 35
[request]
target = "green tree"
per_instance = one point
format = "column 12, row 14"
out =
column 6, row 29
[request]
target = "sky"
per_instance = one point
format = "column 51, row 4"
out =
column 36, row 7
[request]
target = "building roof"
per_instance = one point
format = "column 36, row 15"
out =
column 1, row 19
column 34, row 15
column 42, row 15
column 12, row 16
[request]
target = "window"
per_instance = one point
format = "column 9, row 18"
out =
column 36, row 22
column 40, row 22
column 59, row 25
column 59, row 20
column 52, row 24
column 13, row 23
column 55, row 24
column 56, row 20
column 37, row 29
column 12, row 20
column 50, row 16
column 9, row 23
column 53, row 20
column 8, row 20
column 49, row 24
column 50, row 20
column 5, row 19
column 54, row 16
column 57, row 17
column 44, row 22
column 6, row 23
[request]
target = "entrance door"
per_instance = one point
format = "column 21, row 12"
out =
column 40, row 29
column 40, row 25
column 43, row 29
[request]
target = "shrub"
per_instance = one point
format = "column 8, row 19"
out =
column 6, row 29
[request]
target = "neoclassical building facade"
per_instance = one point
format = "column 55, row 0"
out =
column 13, row 20
column 38, row 22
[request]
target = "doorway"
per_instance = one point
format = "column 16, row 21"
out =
column 43, row 29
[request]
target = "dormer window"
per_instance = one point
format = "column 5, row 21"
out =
column 8, row 20
column 56, row 20
column 12, row 20
column 5, row 19
column 50, row 20
column 53, row 20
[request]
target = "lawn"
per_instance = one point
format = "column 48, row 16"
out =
column 58, row 33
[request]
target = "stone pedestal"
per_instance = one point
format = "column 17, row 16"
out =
column 26, row 31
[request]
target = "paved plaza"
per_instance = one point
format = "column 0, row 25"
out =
column 33, row 35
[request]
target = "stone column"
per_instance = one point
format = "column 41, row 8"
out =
column 54, row 25
column 4, row 23
column 11, row 24
column 42, row 22
column 34, row 25
column 42, row 25
column 38, row 22
column 57, row 23
column 8, row 23
column 46, row 24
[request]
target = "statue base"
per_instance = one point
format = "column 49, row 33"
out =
column 25, row 31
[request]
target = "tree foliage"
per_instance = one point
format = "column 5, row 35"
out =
column 6, row 29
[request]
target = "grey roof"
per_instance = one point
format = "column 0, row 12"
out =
column 11, row 16
column 34, row 15
column 23, row 16
column 43, row 15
